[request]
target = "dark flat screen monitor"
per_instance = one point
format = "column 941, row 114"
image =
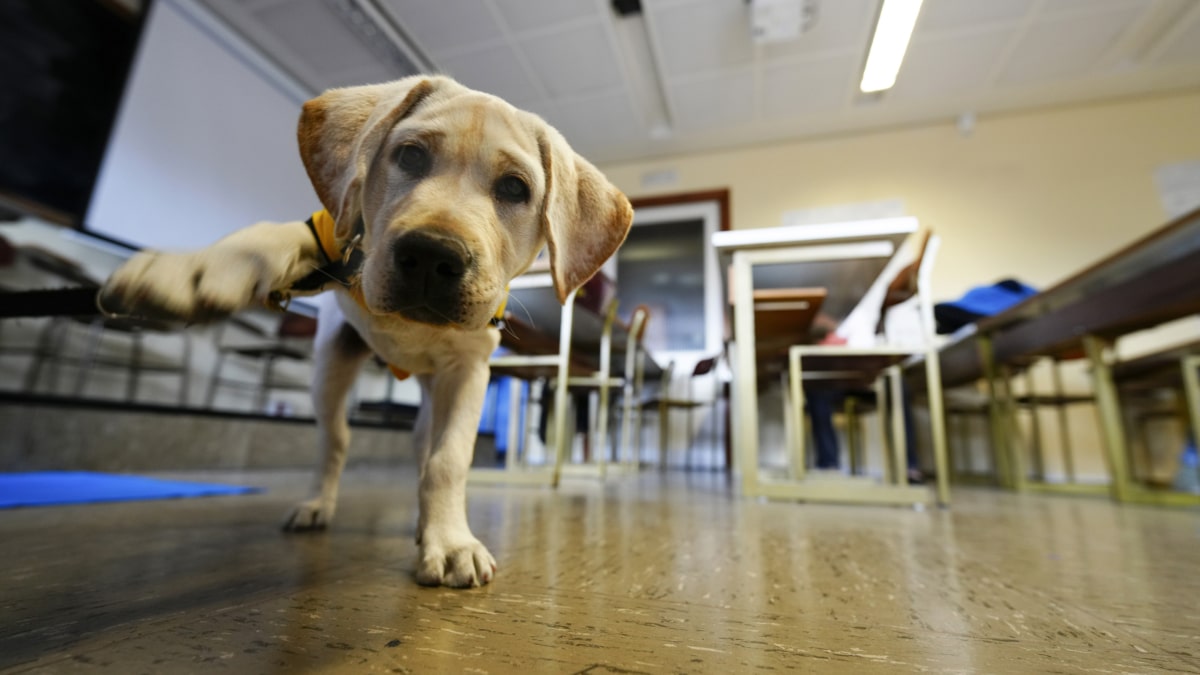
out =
column 63, row 68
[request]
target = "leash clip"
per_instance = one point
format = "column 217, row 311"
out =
column 349, row 250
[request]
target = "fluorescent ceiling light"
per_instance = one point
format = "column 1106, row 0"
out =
column 892, row 32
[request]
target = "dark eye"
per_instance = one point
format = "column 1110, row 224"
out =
column 512, row 190
column 413, row 160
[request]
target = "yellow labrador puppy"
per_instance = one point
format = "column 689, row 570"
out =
column 435, row 197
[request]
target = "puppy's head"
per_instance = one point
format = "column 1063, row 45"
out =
column 457, row 191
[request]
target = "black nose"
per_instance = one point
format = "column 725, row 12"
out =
column 430, row 269
column 428, row 261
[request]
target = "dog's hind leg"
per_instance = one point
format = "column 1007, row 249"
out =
column 339, row 353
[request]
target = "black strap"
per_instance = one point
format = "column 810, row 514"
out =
column 340, row 271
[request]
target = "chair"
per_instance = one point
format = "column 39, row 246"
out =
column 291, row 340
column 603, row 383
column 664, row 403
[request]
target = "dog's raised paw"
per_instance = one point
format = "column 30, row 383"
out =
column 464, row 563
column 200, row 286
column 309, row 516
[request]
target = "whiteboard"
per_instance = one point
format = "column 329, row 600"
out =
column 205, row 142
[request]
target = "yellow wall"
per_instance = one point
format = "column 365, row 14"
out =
column 1036, row 196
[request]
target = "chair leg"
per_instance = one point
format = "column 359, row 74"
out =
column 84, row 367
column 135, row 366
column 664, row 434
column 185, row 374
column 268, row 371
column 47, row 343
column 210, row 397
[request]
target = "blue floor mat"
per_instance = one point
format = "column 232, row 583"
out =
column 48, row 488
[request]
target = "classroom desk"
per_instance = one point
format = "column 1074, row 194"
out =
column 1152, row 281
column 833, row 246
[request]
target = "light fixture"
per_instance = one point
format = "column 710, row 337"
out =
column 892, row 32
column 641, row 68
column 774, row 21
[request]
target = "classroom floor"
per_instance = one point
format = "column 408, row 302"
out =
column 645, row 575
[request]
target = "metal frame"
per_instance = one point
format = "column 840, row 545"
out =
column 745, row 395
column 1191, row 389
column 520, row 474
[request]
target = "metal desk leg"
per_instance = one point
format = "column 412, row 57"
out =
column 1002, row 449
column 937, row 423
column 884, row 435
column 515, row 428
column 850, row 410
column 562, row 440
column 1035, row 429
column 1191, row 388
column 1064, row 429
column 1016, row 444
column 996, row 421
column 794, row 410
column 745, row 374
column 1111, row 423
column 899, row 434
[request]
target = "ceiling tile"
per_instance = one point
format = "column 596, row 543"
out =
column 595, row 121
column 725, row 99
column 792, row 90
column 574, row 60
column 702, row 37
column 375, row 72
column 1065, row 46
column 338, row 50
column 840, row 26
column 495, row 70
column 1185, row 48
column 445, row 26
column 950, row 67
column 940, row 15
column 524, row 15
column 1052, row 6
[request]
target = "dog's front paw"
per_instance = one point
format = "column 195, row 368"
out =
column 455, row 560
column 199, row 286
column 314, row 514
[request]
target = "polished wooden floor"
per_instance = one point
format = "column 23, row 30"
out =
column 645, row 574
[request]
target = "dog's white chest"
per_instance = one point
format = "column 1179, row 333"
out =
column 414, row 347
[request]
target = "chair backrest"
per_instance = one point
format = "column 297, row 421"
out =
column 637, row 328
column 638, row 320
column 904, row 285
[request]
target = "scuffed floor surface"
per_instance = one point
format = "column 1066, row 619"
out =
column 644, row 575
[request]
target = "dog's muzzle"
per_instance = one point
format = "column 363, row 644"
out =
column 430, row 270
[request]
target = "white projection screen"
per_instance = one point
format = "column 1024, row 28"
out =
column 205, row 143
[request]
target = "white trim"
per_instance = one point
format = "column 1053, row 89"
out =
column 805, row 234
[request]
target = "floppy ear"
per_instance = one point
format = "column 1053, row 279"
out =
column 584, row 217
column 340, row 132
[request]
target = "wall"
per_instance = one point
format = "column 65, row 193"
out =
column 1037, row 196
column 205, row 142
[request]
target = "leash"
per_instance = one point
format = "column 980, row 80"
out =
column 52, row 302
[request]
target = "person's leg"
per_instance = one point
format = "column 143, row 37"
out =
column 910, row 439
column 820, row 409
